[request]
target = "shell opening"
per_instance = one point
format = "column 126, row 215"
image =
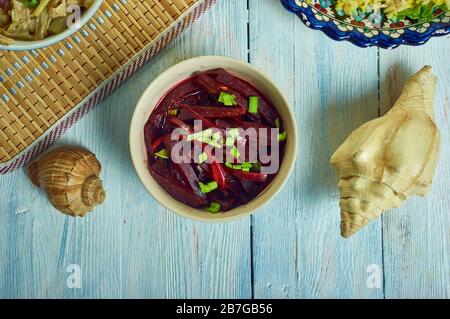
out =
column 93, row 193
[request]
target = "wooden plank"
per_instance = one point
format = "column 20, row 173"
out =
column 417, row 236
column 332, row 86
column 130, row 246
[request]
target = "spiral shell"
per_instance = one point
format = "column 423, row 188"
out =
column 391, row 158
column 70, row 177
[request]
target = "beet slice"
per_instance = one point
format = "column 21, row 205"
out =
column 148, row 137
column 196, row 115
column 157, row 143
column 156, row 124
column 170, row 184
column 266, row 110
column 186, row 171
column 179, row 123
column 226, row 202
column 211, row 112
column 251, row 188
column 235, row 187
column 250, row 176
column 178, row 93
column 263, row 131
column 209, row 84
column 204, row 172
column 214, row 88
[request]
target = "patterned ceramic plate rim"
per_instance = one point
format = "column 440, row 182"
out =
column 310, row 16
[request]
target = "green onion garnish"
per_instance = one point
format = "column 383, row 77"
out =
column 203, row 157
column 31, row 3
column 204, row 188
column 213, row 185
column 229, row 141
column 234, row 132
column 163, row 154
column 200, row 135
column 246, row 165
column 216, row 136
column 277, row 122
column 214, row 208
column 173, row 112
column 207, row 137
column 256, row 167
column 227, row 99
column 210, row 142
column 207, row 188
column 282, row 136
column 253, row 104
column 235, row 152
column 39, row 8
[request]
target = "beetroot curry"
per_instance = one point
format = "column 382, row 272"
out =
column 223, row 168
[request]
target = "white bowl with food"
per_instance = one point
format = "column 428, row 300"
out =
column 225, row 96
column 33, row 24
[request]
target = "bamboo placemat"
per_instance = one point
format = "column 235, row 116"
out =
column 43, row 92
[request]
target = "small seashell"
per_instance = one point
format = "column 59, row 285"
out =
column 70, row 177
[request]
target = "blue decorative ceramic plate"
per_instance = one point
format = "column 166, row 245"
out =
column 365, row 31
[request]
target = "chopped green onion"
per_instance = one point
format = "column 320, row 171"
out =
column 214, row 208
column 208, row 188
column 229, row 141
column 203, row 157
column 256, row 167
column 277, row 122
column 247, row 165
column 213, row 185
column 40, row 7
column 216, row 136
column 237, row 167
column 253, row 104
column 31, row 3
column 227, row 99
column 229, row 165
column 205, row 136
column 200, row 135
column 234, row 132
column 210, row 142
column 282, row 136
column 163, row 154
column 173, row 112
column 204, row 188
column 235, row 152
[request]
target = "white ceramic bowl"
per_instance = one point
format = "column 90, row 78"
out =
column 157, row 89
column 31, row 45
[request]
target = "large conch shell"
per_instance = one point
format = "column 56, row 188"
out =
column 70, row 177
column 391, row 158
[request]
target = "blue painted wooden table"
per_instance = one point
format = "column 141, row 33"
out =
column 132, row 247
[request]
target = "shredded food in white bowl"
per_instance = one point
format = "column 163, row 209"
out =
column 34, row 20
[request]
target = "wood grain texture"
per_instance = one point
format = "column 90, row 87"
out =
column 131, row 247
column 297, row 249
column 417, row 236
